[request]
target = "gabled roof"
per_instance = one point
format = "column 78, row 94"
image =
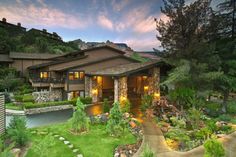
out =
column 55, row 62
column 21, row 55
column 122, row 70
column 95, row 48
column 97, row 61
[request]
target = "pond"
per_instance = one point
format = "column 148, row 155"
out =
column 55, row 117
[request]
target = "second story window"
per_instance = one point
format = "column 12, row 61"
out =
column 76, row 75
column 44, row 75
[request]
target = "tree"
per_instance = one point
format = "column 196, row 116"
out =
column 80, row 121
column 116, row 124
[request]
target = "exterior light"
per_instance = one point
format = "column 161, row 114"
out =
column 144, row 77
column 95, row 91
column 145, row 88
column 157, row 95
column 122, row 98
column 94, row 77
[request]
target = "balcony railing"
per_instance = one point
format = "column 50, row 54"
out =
column 48, row 80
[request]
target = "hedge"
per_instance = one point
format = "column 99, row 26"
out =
column 28, row 98
column 30, row 105
column 84, row 100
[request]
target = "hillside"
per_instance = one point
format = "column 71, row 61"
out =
column 33, row 41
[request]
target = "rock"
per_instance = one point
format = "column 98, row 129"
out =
column 71, row 146
column 79, row 155
column 61, row 138
column 116, row 154
column 56, row 135
column 130, row 151
column 75, row 150
column 221, row 123
column 16, row 152
column 220, row 135
column 66, row 142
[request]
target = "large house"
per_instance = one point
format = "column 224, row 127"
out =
column 99, row 72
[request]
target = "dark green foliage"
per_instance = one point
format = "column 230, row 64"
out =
column 231, row 107
column 17, row 131
column 116, row 125
column 86, row 100
column 105, row 106
column 5, row 151
column 137, row 57
column 30, row 105
column 146, row 102
column 224, row 117
column 213, row 148
column 18, row 98
column 80, row 122
column 213, row 109
column 194, row 117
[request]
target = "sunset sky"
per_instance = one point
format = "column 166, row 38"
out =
column 129, row 21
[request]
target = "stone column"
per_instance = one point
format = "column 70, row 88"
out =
column 154, row 83
column 123, row 89
column 88, row 86
column 2, row 114
column 116, row 90
column 94, row 92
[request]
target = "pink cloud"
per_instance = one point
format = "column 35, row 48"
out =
column 105, row 22
column 42, row 16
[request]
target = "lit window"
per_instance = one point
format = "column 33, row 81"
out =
column 81, row 75
column 76, row 75
column 71, row 76
column 44, row 75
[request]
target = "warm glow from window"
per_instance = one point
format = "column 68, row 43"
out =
column 76, row 75
column 157, row 95
column 95, row 91
column 145, row 88
column 44, row 75
column 71, row 76
column 81, row 75
column 99, row 79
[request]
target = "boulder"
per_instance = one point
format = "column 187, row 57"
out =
column 16, row 152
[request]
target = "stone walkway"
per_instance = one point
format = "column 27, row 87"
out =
column 156, row 141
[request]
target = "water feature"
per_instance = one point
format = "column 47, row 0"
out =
column 56, row 116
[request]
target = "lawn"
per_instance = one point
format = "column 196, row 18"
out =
column 95, row 143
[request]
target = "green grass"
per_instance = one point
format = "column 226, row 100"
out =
column 95, row 143
column 13, row 106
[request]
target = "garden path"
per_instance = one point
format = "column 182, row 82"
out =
column 154, row 138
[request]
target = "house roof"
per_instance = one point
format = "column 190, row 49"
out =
column 55, row 62
column 21, row 55
column 92, row 61
column 5, row 58
column 125, row 69
column 96, row 48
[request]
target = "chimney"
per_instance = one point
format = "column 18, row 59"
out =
column 4, row 20
column 44, row 30
column 19, row 24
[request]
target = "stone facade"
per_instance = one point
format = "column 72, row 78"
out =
column 88, row 86
column 154, row 83
column 122, row 88
column 45, row 96
column 96, row 88
column 2, row 114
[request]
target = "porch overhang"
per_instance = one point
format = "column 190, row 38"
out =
column 125, row 70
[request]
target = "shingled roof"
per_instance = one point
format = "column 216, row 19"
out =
column 5, row 58
column 21, row 55
column 125, row 69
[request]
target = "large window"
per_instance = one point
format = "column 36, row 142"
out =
column 76, row 75
column 44, row 75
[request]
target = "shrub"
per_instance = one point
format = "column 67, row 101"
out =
column 28, row 98
column 125, row 106
column 194, row 117
column 30, row 105
column 86, row 100
column 231, row 108
column 146, row 102
column 80, row 121
column 17, row 131
column 147, row 152
column 226, row 129
column 7, row 97
column 105, row 106
column 213, row 109
column 116, row 124
column 178, row 122
column 224, row 117
column 5, row 151
column 18, row 98
column 213, row 148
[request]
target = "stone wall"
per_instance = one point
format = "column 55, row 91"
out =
column 122, row 88
column 154, row 83
column 46, row 96
column 96, row 89
column 2, row 114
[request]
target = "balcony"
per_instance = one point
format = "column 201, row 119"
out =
column 47, row 82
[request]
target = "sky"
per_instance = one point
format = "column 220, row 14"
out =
column 126, row 21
